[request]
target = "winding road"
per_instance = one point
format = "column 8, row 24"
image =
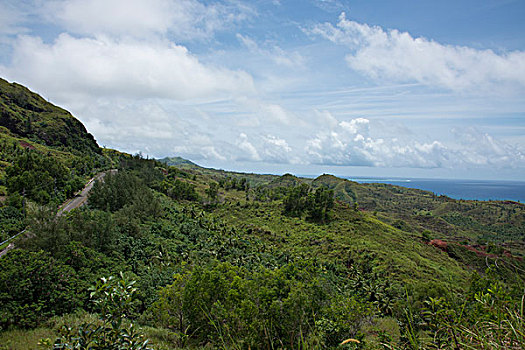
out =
column 82, row 196
column 73, row 203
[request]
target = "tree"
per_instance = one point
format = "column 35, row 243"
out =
column 316, row 204
column 320, row 203
column 33, row 287
column 40, row 177
column 296, row 200
column 213, row 192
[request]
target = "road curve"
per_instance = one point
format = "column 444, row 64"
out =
column 76, row 202
column 82, row 196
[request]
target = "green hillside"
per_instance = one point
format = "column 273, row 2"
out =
column 28, row 115
column 477, row 222
column 206, row 258
column 46, row 155
column 178, row 162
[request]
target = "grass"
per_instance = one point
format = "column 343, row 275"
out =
column 403, row 255
column 19, row 339
column 22, row 339
column 3, row 246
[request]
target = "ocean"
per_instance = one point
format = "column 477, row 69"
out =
column 459, row 189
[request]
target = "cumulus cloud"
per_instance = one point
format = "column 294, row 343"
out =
column 103, row 66
column 248, row 151
column 259, row 147
column 181, row 19
column 352, row 143
column 277, row 150
column 477, row 148
column 397, row 56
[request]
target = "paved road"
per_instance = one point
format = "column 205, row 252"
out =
column 71, row 204
column 82, row 196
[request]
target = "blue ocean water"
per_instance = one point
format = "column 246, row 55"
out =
column 459, row 189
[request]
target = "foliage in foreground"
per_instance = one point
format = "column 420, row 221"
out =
column 488, row 319
column 113, row 297
column 231, row 306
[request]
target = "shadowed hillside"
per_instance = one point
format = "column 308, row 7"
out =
column 28, row 115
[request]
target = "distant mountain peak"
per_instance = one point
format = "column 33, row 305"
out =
column 175, row 161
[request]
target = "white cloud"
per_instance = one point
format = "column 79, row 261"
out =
column 104, row 66
column 129, row 123
column 350, row 143
column 354, row 125
column 481, row 149
column 277, row 150
column 272, row 52
column 248, row 151
column 10, row 20
column 276, row 113
column 278, row 142
column 329, row 5
column 397, row 56
column 131, row 17
column 182, row 19
column 263, row 112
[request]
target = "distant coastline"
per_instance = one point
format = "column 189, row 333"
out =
column 483, row 190
column 459, row 189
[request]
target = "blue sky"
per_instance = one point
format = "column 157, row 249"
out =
column 355, row 88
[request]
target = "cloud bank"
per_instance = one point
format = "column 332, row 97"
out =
column 105, row 66
column 360, row 142
column 202, row 80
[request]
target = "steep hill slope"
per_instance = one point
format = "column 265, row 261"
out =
column 27, row 115
column 46, row 154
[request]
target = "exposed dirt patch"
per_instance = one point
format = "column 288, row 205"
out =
column 26, row 145
column 439, row 244
column 479, row 252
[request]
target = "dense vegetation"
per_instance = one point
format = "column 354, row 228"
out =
column 28, row 115
column 208, row 258
column 46, row 155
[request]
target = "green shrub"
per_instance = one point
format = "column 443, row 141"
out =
column 113, row 298
column 227, row 305
column 34, row 287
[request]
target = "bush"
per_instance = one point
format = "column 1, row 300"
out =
column 114, row 298
column 223, row 304
column 34, row 287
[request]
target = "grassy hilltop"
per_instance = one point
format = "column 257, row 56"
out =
column 206, row 258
